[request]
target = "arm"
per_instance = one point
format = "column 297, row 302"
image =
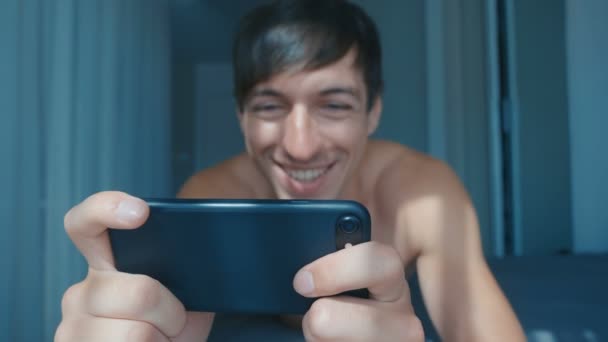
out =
column 461, row 294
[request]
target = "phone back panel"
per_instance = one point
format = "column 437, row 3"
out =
column 236, row 255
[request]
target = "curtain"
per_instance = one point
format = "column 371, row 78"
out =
column 587, row 73
column 84, row 107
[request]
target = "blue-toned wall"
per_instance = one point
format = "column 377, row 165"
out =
column 538, row 127
column 436, row 97
column 587, row 60
column 402, row 29
column 84, row 107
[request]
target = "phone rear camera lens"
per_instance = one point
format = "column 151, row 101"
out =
column 349, row 224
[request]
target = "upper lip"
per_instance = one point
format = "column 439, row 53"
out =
column 303, row 167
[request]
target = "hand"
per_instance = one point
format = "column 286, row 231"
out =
column 388, row 314
column 114, row 306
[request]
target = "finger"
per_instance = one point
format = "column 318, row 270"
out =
column 368, row 265
column 355, row 319
column 198, row 326
column 93, row 329
column 133, row 297
column 87, row 223
column 71, row 303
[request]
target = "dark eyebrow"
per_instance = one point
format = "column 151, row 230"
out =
column 265, row 92
column 341, row 90
column 325, row 92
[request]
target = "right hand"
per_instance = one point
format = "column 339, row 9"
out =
column 114, row 306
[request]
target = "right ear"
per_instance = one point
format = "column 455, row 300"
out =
column 240, row 116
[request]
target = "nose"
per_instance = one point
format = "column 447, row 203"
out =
column 301, row 140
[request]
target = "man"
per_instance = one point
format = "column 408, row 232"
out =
column 308, row 88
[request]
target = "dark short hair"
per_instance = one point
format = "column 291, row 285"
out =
column 306, row 34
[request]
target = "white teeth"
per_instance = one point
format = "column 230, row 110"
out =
column 306, row 175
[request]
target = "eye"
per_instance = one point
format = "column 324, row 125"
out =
column 267, row 110
column 336, row 110
column 265, row 107
column 337, row 106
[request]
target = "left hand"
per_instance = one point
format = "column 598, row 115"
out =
column 386, row 316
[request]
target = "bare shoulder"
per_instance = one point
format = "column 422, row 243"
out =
column 229, row 179
column 424, row 198
column 417, row 173
column 435, row 225
column 406, row 176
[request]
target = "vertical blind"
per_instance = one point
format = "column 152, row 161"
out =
column 84, row 107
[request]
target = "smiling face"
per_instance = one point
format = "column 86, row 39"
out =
column 307, row 130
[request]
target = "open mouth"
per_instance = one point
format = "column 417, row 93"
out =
column 307, row 176
column 304, row 181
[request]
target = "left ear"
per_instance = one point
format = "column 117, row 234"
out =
column 373, row 116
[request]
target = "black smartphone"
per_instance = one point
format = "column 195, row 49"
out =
column 238, row 256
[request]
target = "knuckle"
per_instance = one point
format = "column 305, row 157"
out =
column 66, row 331
column 71, row 298
column 73, row 216
column 414, row 330
column 144, row 293
column 104, row 196
column 67, row 220
column 104, row 199
column 391, row 260
column 142, row 332
column 318, row 319
column 70, row 223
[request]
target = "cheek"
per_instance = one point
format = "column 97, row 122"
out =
column 346, row 134
column 260, row 135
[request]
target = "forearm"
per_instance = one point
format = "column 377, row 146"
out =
column 483, row 313
column 465, row 302
column 493, row 316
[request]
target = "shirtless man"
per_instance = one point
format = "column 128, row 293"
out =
column 308, row 87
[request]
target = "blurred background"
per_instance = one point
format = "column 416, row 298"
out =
column 135, row 95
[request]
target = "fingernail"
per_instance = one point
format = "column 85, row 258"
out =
column 129, row 210
column 303, row 282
